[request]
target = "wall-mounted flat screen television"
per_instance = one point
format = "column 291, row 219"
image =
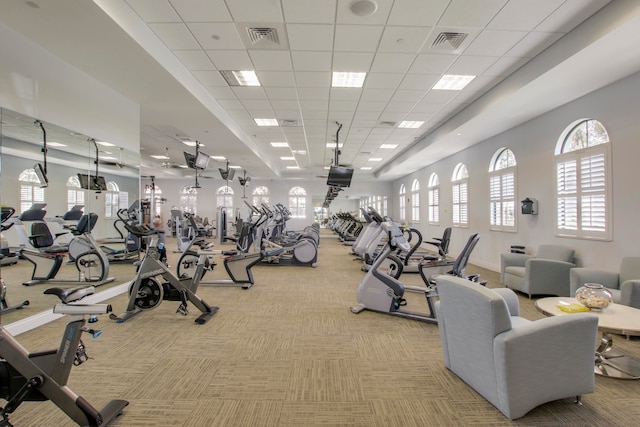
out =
column 339, row 176
column 96, row 183
column 202, row 160
column 190, row 159
column 44, row 181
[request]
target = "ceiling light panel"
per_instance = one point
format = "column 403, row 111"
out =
column 453, row 82
column 280, row 144
column 266, row 122
column 240, row 78
column 408, row 124
column 347, row 79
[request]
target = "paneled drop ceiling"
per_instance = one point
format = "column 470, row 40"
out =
column 403, row 46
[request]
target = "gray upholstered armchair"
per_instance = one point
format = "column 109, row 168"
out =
column 514, row 363
column 546, row 273
column 623, row 285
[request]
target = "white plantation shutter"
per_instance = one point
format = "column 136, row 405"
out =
column 434, row 203
column 495, row 199
column 508, row 200
column 460, row 203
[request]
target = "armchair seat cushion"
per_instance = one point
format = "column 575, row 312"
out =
column 515, row 271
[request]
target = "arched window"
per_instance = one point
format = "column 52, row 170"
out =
column 583, row 181
column 111, row 200
column 225, row 198
column 260, row 195
column 75, row 193
column 434, row 199
column 298, row 202
column 30, row 191
column 460, row 186
column 415, row 201
column 385, row 206
column 189, row 200
column 502, row 191
column 157, row 204
column 403, row 202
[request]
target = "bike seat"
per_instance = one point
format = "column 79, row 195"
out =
column 68, row 295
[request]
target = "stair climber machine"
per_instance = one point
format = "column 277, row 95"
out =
column 41, row 376
column 381, row 292
column 5, row 307
column 236, row 263
column 147, row 292
column 91, row 263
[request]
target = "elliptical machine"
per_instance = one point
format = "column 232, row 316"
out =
column 146, row 292
column 43, row 375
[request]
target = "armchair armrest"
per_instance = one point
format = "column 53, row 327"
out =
column 562, row 351
column 580, row 275
column 551, row 277
column 510, row 297
column 630, row 293
column 512, row 259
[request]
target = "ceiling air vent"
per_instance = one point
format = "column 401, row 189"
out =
column 289, row 123
column 448, row 40
column 261, row 34
column 387, row 124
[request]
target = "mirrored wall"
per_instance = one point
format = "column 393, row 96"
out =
column 76, row 175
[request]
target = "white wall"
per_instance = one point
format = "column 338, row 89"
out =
column 533, row 144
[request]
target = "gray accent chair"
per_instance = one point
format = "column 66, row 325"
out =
column 546, row 273
column 514, row 363
column 623, row 285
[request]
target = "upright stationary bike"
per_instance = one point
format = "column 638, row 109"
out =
column 146, row 292
column 43, row 375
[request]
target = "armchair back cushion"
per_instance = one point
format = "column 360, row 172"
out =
column 629, row 269
column 555, row 252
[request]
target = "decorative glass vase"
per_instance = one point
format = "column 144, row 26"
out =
column 594, row 296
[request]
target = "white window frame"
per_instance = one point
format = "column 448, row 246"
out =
column 157, row 203
column 224, row 198
column 503, row 191
column 583, row 182
column 189, row 199
column 403, row 202
column 460, row 196
column 415, row 201
column 434, row 199
column 29, row 189
column 260, row 195
column 298, row 202
column 111, row 200
column 75, row 193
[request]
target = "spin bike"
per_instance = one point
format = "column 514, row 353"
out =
column 41, row 376
column 146, row 292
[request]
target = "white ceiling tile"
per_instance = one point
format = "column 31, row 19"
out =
column 409, row 96
column 314, row 105
column 357, row 62
column 209, row 78
column 194, row 59
column 315, row 115
column 313, row 79
column 309, row 11
column 313, row 93
column 256, row 105
column 175, row 36
column 249, row 92
column 417, row 12
column 216, row 35
column 255, row 10
column 154, row 10
column 403, row 39
column 570, row 14
column 289, row 115
column 339, row 105
column 282, row 103
column 431, row 64
column 276, row 78
column 230, row 104
column 424, row 107
column 371, row 106
column 471, row 14
column 494, row 43
column 392, row 116
column 523, row 15
column 366, row 115
column 399, row 107
column 357, row 38
column 383, row 80
column 533, row 44
column 505, row 66
column 310, row 36
column 230, row 59
column 202, row 10
column 281, row 93
column 345, row 16
column 421, row 82
column 311, row 61
column 377, row 94
column 470, row 65
column 392, row 62
column 271, row 60
column 345, row 94
column 439, row 96
column 221, row 92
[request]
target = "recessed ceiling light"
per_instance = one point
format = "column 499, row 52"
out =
column 293, row 167
column 299, row 152
column 235, row 167
column 375, row 159
column 105, row 144
column 266, row 122
column 160, row 157
column 192, row 143
column 287, row 158
column 408, row 124
column 55, row 144
column 346, row 79
column 279, row 144
column 333, row 145
column 389, row 146
column 366, row 168
column 363, row 7
column 218, row 158
column 241, row 78
column 453, row 82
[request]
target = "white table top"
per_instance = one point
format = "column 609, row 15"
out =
column 616, row 318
